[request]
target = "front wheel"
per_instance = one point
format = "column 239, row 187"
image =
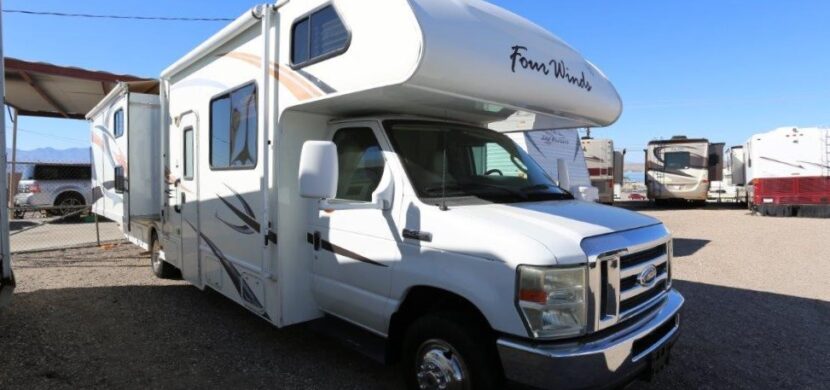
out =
column 449, row 351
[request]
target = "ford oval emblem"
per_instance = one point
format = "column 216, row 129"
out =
column 647, row 275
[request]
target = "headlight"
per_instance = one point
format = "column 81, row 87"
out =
column 553, row 301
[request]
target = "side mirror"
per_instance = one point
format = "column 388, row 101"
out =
column 318, row 170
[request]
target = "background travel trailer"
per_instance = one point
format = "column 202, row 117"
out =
column 126, row 159
column 681, row 168
column 787, row 171
column 599, row 155
column 727, row 189
column 558, row 152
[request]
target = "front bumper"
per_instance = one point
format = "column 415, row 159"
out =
column 607, row 361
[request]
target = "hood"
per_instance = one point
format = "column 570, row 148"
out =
column 543, row 233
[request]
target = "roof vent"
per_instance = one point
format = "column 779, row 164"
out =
column 678, row 137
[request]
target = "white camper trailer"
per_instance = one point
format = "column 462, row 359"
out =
column 318, row 159
column 599, row 154
column 126, row 158
column 728, row 188
column 619, row 173
column 787, row 172
column 681, row 168
column 558, row 151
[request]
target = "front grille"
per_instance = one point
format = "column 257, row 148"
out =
column 633, row 294
column 642, row 298
column 633, row 259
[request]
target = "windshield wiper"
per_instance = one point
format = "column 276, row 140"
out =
column 565, row 194
column 504, row 189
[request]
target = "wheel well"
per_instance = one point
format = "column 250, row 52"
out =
column 152, row 233
column 70, row 193
column 422, row 300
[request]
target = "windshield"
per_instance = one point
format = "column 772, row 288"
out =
column 458, row 161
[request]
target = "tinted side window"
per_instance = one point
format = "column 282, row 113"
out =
column 233, row 129
column 360, row 162
column 299, row 43
column 327, row 32
column 317, row 35
column 118, row 123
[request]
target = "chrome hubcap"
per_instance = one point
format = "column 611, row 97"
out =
column 439, row 366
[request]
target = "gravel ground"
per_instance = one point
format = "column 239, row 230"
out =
column 757, row 315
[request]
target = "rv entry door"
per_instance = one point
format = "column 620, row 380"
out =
column 185, row 219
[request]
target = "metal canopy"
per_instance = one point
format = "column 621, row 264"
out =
column 47, row 90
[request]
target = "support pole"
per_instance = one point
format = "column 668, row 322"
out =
column 12, row 186
column 97, row 230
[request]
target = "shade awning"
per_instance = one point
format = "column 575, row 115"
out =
column 48, row 90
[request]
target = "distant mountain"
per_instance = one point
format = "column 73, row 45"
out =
column 71, row 155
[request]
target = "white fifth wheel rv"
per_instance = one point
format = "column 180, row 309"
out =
column 319, row 161
column 558, row 151
column 727, row 189
column 126, row 159
column 605, row 167
column 681, row 168
column 787, row 172
column 599, row 154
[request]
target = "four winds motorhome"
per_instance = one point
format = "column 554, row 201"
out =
column 681, row 168
column 318, row 161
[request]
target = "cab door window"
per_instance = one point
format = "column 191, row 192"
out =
column 360, row 163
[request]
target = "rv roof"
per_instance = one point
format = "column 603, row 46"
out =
column 678, row 141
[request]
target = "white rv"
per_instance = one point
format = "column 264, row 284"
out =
column 681, row 168
column 557, row 151
column 321, row 161
column 126, row 158
column 599, row 154
column 787, row 172
column 727, row 189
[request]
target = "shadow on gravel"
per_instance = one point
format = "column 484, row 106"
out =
column 688, row 246
column 735, row 338
column 166, row 337
column 17, row 225
column 178, row 337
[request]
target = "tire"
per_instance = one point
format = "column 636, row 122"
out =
column 443, row 347
column 68, row 203
column 161, row 268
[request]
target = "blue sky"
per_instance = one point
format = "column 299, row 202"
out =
column 717, row 69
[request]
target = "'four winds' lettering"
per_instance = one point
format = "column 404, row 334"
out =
column 560, row 70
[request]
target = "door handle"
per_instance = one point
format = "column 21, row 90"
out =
column 178, row 207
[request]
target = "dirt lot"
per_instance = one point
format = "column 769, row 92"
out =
column 757, row 316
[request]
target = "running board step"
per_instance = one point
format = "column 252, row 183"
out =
column 351, row 336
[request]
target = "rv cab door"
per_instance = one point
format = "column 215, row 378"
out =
column 355, row 248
